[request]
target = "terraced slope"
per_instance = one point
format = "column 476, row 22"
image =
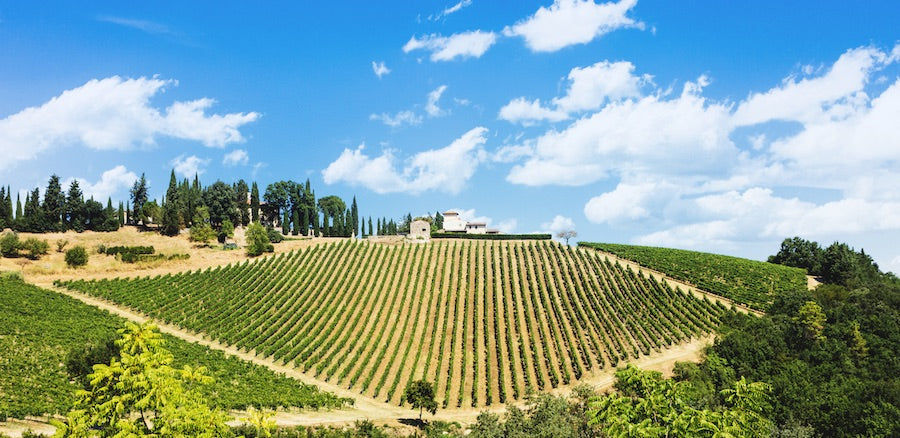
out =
column 748, row 282
column 483, row 320
column 38, row 328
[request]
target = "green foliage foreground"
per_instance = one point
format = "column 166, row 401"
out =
column 39, row 329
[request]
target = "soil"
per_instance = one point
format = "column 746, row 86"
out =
column 52, row 267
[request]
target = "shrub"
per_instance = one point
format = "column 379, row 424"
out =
column 9, row 244
column 76, row 257
column 274, row 236
column 491, row 236
column 257, row 240
column 61, row 245
column 35, row 247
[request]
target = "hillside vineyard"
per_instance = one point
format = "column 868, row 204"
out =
column 482, row 320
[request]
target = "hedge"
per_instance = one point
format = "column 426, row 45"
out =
column 490, row 236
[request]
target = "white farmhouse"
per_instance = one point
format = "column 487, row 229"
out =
column 454, row 224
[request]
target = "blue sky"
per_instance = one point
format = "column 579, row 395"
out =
column 709, row 125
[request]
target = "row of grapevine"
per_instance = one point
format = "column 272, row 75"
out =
column 746, row 282
column 483, row 320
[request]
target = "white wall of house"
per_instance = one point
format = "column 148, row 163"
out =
column 452, row 223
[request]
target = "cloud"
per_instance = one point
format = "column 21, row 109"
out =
column 114, row 114
column 405, row 117
column 380, row 69
column 446, row 169
column 189, row 166
column 627, row 202
column 815, row 99
column 450, row 10
column 236, row 157
column 111, row 182
column 141, row 25
column 569, row 22
column 433, row 97
column 673, row 136
column 559, row 223
column 589, row 88
column 470, row 44
column 528, row 113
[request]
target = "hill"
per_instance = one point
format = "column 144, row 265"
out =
column 744, row 281
column 39, row 328
column 483, row 320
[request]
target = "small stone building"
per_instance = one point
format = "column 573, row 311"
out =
column 419, row 230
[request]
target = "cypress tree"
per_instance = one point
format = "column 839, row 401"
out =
column 121, row 215
column 254, row 203
column 8, row 208
column 170, row 225
column 296, row 220
column 286, row 223
column 54, row 205
column 74, row 207
column 438, row 220
column 370, row 225
column 3, row 220
column 241, row 190
column 17, row 223
column 354, row 213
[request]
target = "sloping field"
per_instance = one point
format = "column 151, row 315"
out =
column 748, row 282
column 38, row 329
column 483, row 320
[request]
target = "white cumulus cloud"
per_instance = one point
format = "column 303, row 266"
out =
column 404, row 117
column 521, row 110
column 470, row 44
column 236, row 157
column 445, row 169
column 380, row 69
column 431, row 107
column 110, row 183
column 114, row 114
column 569, row 22
column 189, row 166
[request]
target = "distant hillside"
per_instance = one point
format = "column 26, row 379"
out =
column 747, row 282
column 38, row 329
column 483, row 320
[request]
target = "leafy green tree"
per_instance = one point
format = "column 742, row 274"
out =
column 9, row 244
column 800, row 253
column 93, row 215
column 76, row 257
column 141, row 394
column 420, row 395
column 331, row 207
column 226, row 232
column 138, row 198
column 201, row 232
column 438, row 221
column 645, row 404
column 34, row 247
column 257, row 239
column 812, row 319
column 150, row 212
column 219, row 200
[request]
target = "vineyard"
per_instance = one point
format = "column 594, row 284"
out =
column 38, row 329
column 744, row 281
column 483, row 320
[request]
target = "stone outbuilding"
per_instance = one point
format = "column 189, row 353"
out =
column 420, row 230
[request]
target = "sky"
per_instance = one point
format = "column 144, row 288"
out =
column 708, row 125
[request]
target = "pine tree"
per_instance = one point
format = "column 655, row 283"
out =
column 74, row 207
column 254, row 203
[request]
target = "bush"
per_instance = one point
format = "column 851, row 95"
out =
column 61, row 245
column 113, row 250
column 35, row 247
column 9, row 244
column 258, row 240
column 274, row 236
column 76, row 257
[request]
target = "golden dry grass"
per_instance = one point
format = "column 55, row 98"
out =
column 53, row 266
